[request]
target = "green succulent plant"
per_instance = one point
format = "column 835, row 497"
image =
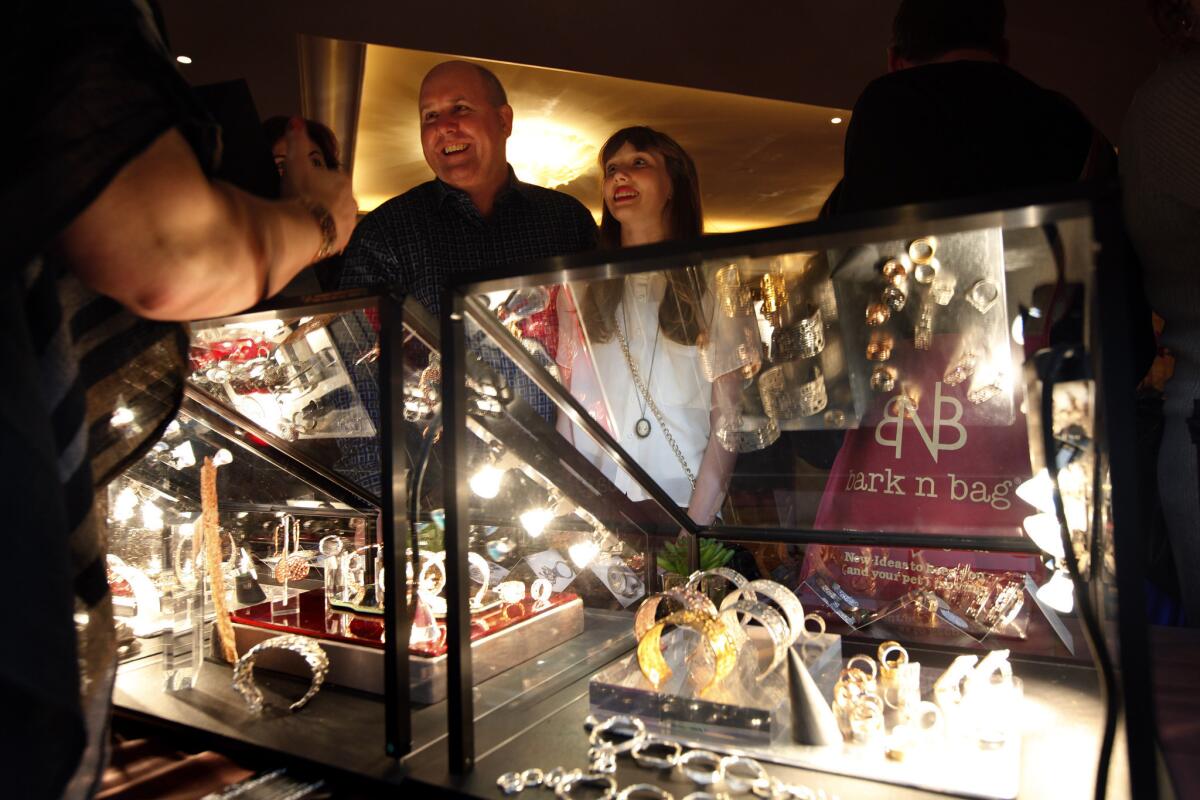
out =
column 674, row 556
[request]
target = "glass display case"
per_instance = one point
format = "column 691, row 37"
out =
column 847, row 498
column 894, row 433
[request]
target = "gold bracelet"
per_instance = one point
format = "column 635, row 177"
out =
column 716, row 637
column 325, row 223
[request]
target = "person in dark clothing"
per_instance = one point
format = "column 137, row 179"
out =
column 952, row 119
column 115, row 230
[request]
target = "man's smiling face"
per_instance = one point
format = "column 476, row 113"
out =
column 463, row 134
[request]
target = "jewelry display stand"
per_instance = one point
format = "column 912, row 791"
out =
column 749, row 718
column 740, row 710
column 355, row 645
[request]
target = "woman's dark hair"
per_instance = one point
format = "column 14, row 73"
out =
column 926, row 29
column 275, row 129
column 679, row 312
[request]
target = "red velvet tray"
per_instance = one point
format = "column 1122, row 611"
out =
column 308, row 615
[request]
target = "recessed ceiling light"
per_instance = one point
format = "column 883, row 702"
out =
column 184, row 59
column 836, row 120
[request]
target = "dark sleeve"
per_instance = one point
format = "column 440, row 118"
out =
column 101, row 91
column 879, row 167
column 369, row 259
column 583, row 227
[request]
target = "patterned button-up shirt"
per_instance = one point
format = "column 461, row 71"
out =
column 432, row 233
column 423, row 239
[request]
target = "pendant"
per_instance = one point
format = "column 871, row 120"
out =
column 642, row 427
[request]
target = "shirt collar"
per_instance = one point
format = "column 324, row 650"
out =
column 513, row 189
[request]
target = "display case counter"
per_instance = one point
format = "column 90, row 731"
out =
column 545, row 730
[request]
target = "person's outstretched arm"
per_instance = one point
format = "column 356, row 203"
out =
column 171, row 244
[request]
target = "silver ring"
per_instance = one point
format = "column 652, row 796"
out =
column 511, row 591
column 554, row 777
column 576, row 778
column 243, row 672
column 622, row 723
column 511, row 783
column 741, row 785
column 983, row 294
column 643, row 759
column 644, row 791
column 926, row 273
column 700, row 775
column 815, row 617
column 942, row 289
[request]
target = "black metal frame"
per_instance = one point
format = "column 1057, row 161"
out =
column 1110, row 349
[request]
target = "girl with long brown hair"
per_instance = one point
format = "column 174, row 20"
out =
column 629, row 347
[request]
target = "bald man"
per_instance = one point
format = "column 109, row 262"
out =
column 475, row 214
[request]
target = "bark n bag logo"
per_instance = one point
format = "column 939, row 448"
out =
column 933, row 468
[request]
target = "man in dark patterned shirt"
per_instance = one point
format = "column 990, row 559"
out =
column 475, row 214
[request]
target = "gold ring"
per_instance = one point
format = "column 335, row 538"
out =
column 883, row 379
column 716, row 638
column 879, row 348
column 817, row 618
column 877, row 314
column 895, row 272
column 922, row 250
column 870, row 662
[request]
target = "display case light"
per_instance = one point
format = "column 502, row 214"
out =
column 1038, row 491
column 583, row 553
column 125, row 505
column 1058, row 592
column 486, row 481
column 1045, row 532
column 152, row 516
column 536, row 519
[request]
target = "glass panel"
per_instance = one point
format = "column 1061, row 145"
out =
column 309, row 379
column 881, row 386
column 557, row 554
column 271, row 523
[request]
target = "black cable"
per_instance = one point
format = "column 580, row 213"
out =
column 1052, row 363
column 414, row 495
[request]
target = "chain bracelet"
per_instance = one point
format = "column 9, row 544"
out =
column 641, row 387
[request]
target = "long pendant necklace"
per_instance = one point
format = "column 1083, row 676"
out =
column 642, row 426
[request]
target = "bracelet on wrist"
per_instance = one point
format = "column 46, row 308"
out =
column 325, row 223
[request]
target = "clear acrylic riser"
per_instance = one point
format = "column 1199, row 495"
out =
column 750, row 717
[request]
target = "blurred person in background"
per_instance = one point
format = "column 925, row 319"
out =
column 1160, row 178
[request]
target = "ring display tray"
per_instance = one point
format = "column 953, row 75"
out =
column 355, row 643
column 753, row 718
